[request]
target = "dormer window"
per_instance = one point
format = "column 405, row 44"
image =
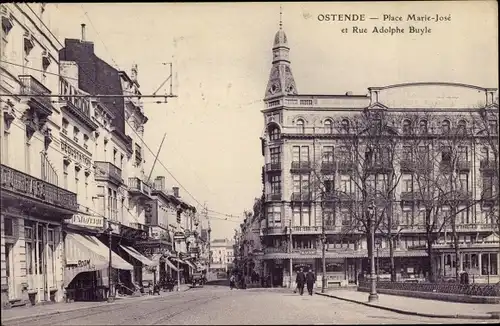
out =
column 300, row 126
column 406, row 126
column 328, row 126
column 423, row 126
column 461, row 127
column 445, row 126
column 344, row 124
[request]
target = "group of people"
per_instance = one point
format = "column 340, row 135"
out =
column 305, row 279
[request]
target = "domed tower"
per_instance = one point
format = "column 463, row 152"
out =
column 281, row 80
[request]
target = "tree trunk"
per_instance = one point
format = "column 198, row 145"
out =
column 430, row 259
column 391, row 255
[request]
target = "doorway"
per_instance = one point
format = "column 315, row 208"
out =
column 9, row 270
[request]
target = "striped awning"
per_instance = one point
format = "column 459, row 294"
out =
column 85, row 253
column 134, row 253
column 172, row 266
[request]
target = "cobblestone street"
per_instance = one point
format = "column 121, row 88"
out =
column 219, row 305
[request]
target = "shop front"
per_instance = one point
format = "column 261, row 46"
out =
column 481, row 260
column 32, row 214
column 86, row 275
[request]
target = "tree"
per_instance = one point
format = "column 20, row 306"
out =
column 368, row 177
column 485, row 125
column 437, row 157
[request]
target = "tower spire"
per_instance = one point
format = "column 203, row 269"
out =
column 281, row 17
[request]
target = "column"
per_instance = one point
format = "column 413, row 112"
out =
column 37, row 263
column 480, row 262
column 46, row 295
column 442, row 265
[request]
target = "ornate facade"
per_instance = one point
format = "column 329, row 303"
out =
column 328, row 157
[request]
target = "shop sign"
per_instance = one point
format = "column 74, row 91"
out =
column 305, row 251
column 305, row 267
column 88, row 221
column 179, row 236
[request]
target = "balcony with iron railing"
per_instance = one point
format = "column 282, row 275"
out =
column 33, row 87
column 20, row 185
column 345, row 165
column 328, row 166
column 79, row 107
column 273, row 197
column 273, row 167
column 301, row 196
column 487, row 165
column 300, row 166
column 140, row 226
column 106, row 171
column 139, row 188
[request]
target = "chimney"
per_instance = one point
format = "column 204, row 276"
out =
column 176, row 191
column 83, row 32
column 160, row 183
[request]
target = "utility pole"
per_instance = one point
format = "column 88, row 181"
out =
column 205, row 213
column 290, row 251
column 323, row 254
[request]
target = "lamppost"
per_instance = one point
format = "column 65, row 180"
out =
column 109, row 231
column 290, row 245
column 373, row 290
column 178, row 266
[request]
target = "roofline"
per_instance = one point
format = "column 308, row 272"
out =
column 377, row 88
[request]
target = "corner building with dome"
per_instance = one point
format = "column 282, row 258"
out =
column 317, row 167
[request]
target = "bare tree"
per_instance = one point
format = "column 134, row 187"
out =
column 485, row 127
column 368, row 178
column 437, row 156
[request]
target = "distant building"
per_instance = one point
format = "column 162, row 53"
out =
column 222, row 254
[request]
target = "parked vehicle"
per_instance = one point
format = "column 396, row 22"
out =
column 197, row 279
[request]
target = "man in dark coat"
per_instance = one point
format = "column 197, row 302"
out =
column 310, row 280
column 300, row 280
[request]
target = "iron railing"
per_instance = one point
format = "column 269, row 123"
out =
column 49, row 173
column 485, row 290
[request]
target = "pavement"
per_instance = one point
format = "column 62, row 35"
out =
column 419, row 307
column 218, row 305
column 28, row 311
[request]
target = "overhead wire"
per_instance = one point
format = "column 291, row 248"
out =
column 133, row 129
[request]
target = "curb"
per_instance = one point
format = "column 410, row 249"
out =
column 56, row 312
column 420, row 314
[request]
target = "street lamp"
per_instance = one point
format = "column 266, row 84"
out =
column 373, row 289
column 109, row 231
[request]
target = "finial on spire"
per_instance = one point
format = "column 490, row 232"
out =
column 281, row 15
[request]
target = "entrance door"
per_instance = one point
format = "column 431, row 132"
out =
column 9, row 269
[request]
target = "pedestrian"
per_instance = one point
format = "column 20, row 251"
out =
column 300, row 280
column 232, row 281
column 310, row 280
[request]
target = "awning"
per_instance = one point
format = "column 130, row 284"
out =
column 190, row 264
column 172, row 266
column 85, row 253
column 177, row 260
column 137, row 255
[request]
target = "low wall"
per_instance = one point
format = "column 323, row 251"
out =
column 439, row 291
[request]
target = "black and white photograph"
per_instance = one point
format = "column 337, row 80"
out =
column 249, row 163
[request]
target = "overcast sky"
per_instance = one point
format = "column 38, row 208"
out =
column 222, row 58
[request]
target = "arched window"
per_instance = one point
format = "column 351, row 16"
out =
column 423, row 126
column 445, row 126
column 462, row 126
column 274, row 133
column 300, row 126
column 406, row 126
column 328, row 126
column 345, row 125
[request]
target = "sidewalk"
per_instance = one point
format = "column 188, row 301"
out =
column 420, row 307
column 18, row 313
